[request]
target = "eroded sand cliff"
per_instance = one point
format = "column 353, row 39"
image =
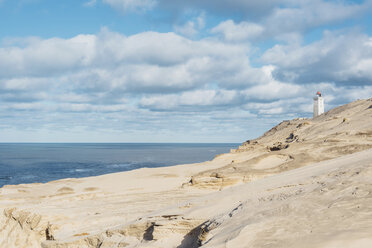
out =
column 304, row 183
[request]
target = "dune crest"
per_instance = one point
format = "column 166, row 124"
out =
column 304, row 183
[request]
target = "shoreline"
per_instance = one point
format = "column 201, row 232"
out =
column 41, row 163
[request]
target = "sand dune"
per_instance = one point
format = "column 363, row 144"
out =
column 304, row 183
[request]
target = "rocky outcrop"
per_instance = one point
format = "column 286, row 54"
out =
column 21, row 229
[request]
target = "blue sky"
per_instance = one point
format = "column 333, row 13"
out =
column 175, row 71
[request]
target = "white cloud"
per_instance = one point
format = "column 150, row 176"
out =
column 86, row 107
column 191, row 27
column 310, row 14
column 104, row 69
column 272, row 91
column 238, row 32
column 338, row 58
column 47, row 56
column 152, row 81
column 145, row 60
column 183, row 101
column 188, row 29
column 288, row 20
column 23, row 84
column 25, row 106
column 275, row 16
column 271, row 111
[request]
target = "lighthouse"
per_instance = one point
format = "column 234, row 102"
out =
column 318, row 105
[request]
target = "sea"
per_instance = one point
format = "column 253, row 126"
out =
column 39, row 163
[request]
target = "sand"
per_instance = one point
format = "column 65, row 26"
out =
column 304, row 183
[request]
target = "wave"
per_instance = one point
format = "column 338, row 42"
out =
column 6, row 177
column 121, row 165
column 80, row 170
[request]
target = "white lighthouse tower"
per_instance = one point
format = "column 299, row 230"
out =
column 318, row 105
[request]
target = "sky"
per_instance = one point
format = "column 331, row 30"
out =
column 212, row 71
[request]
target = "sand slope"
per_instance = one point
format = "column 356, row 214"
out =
column 304, row 183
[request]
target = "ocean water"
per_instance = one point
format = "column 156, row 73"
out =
column 31, row 163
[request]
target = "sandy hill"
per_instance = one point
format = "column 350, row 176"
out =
column 304, row 183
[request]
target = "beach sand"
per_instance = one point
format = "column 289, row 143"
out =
column 304, row 183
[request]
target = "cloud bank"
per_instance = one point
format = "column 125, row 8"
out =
column 178, row 86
